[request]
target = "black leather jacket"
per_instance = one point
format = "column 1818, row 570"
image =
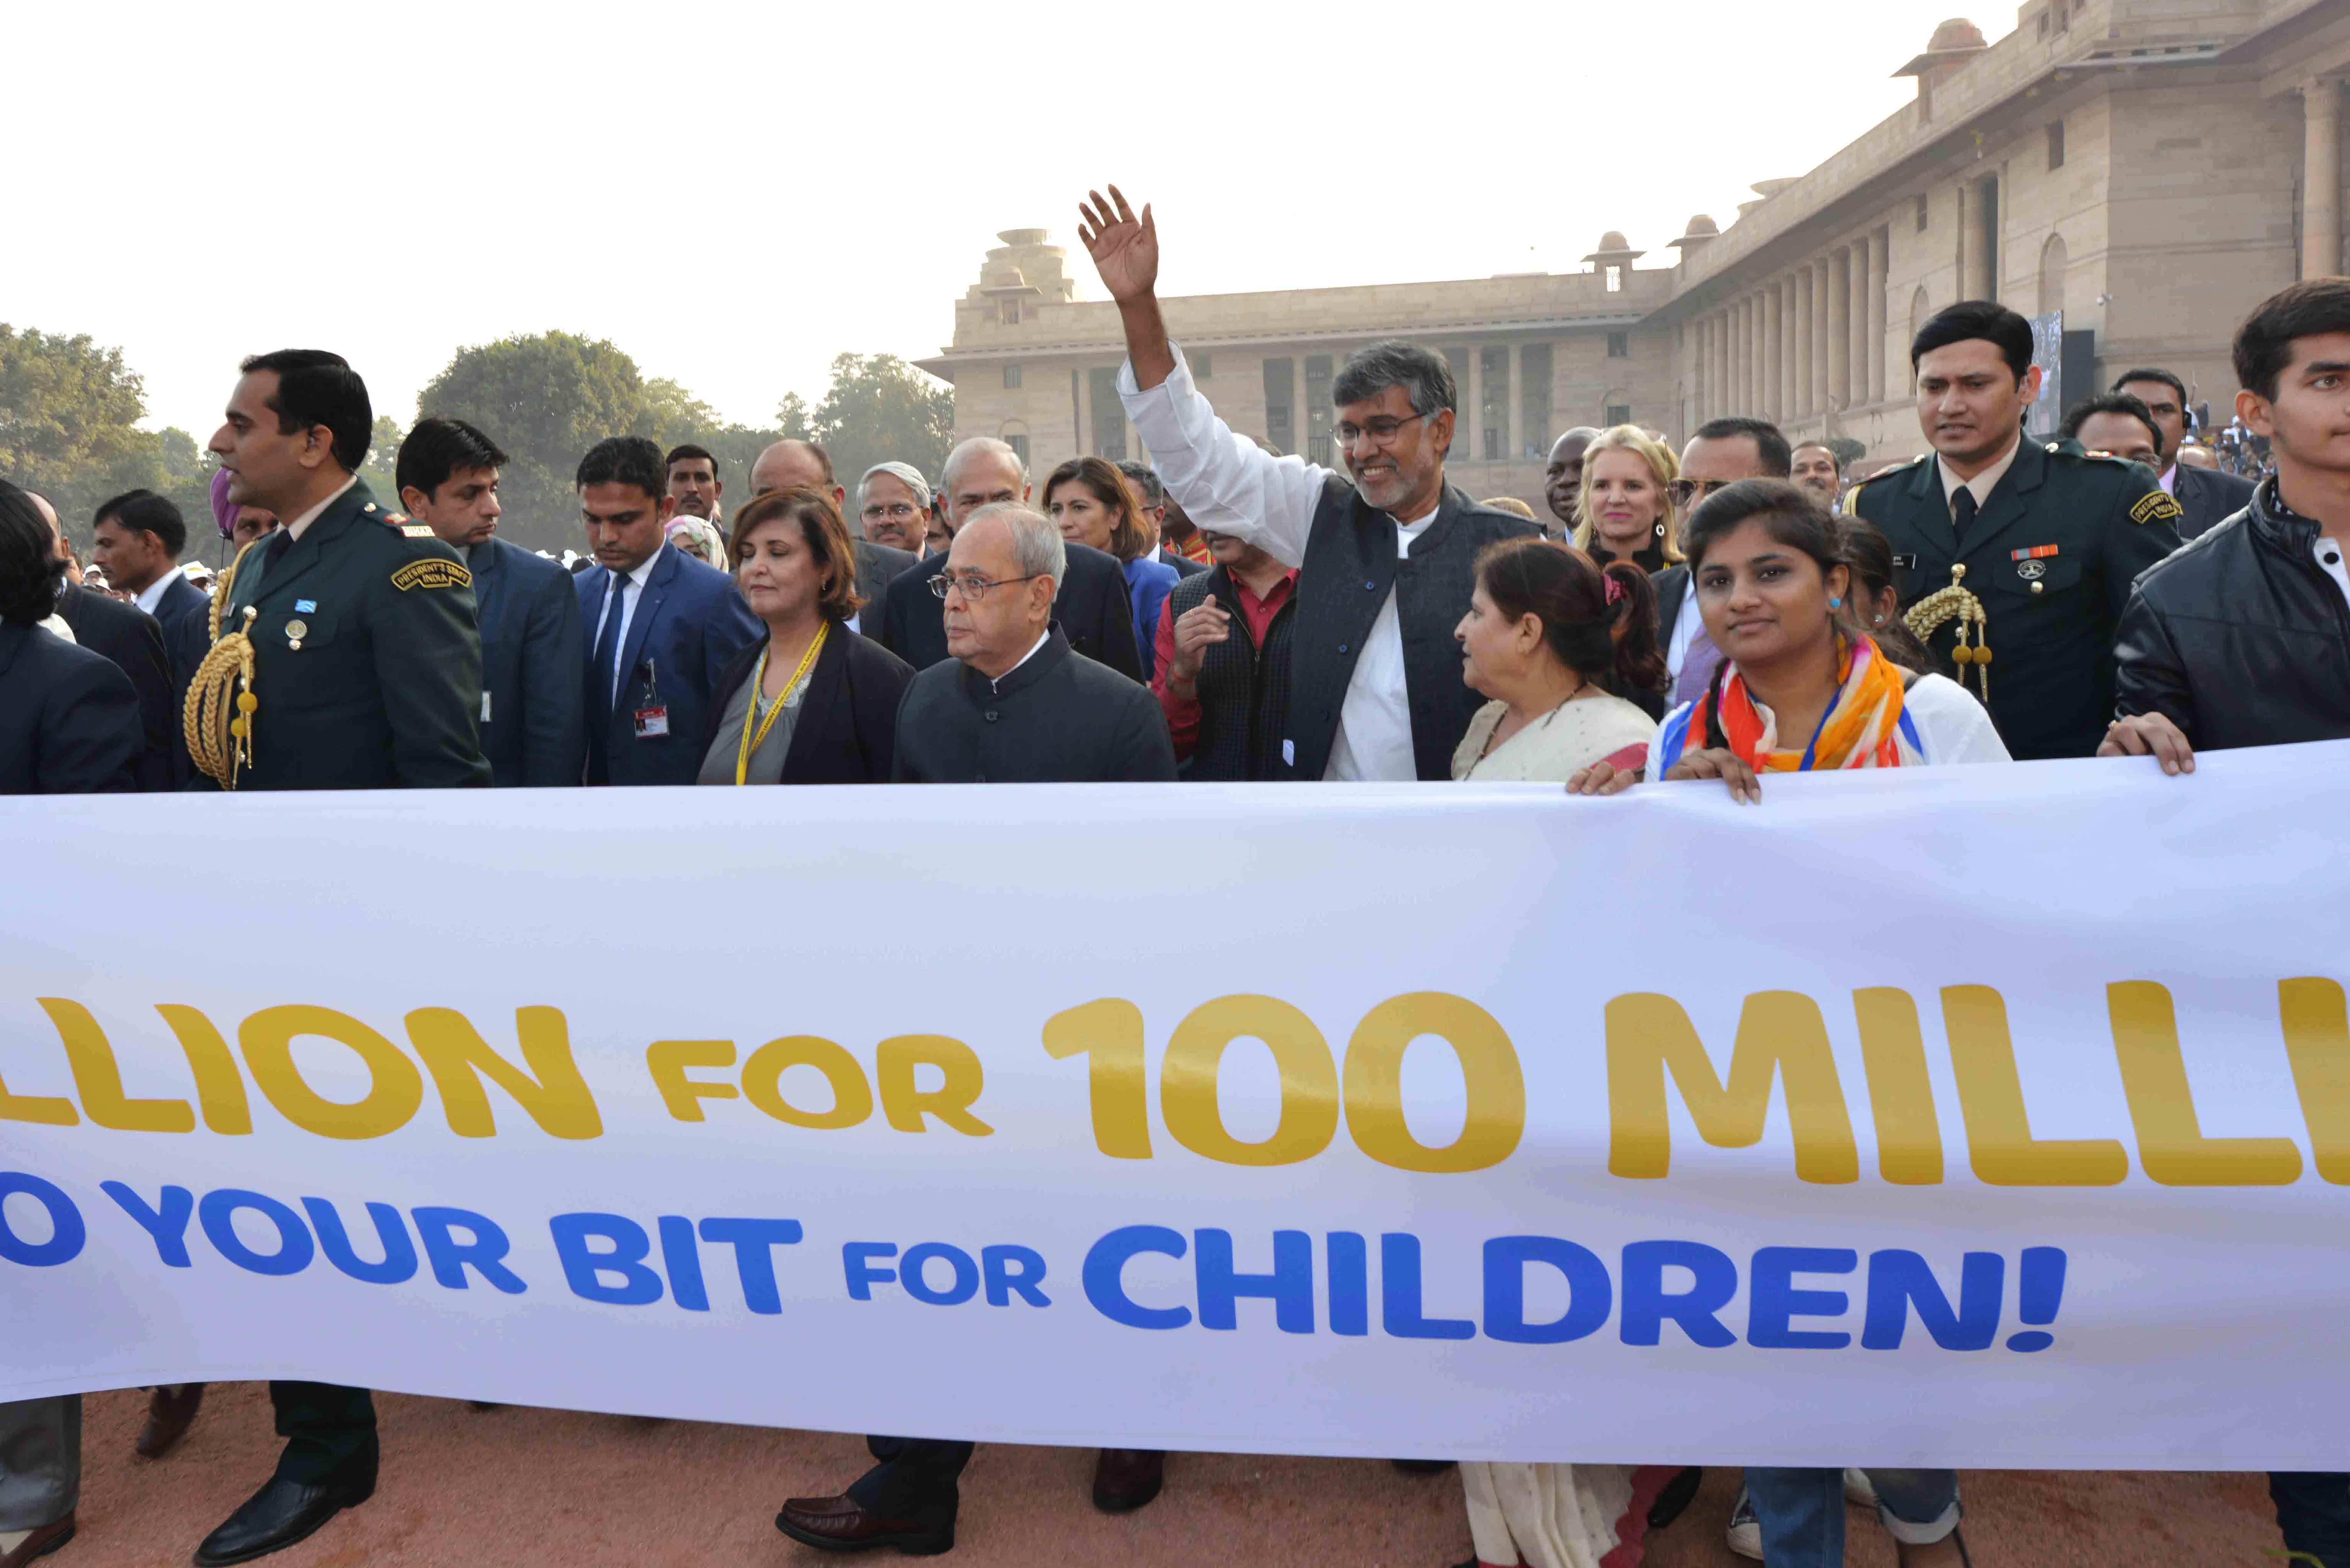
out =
column 2240, row 638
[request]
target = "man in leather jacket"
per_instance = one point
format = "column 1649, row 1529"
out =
column 2243, row 636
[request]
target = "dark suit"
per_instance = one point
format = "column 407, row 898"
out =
column 1184, row 566
column 879, row 566
column 848, row 728
column 2208, row 497
column 70, row 721
column 1091, row 607
column 133, row 640
column 182, row 604
column 689, row 627
column 533, row 717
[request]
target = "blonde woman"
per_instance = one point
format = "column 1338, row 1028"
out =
column 1627, row 503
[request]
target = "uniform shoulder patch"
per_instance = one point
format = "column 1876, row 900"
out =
column 409, row 528
column 2156, row 503
column 432, row 573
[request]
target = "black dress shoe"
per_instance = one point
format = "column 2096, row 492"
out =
column 843, row 1525
column 281, row 1513
column 170, row 1410
column 1423, row 1467
column 1673, row 1498
column 1126, row 1478
column 40, row 1544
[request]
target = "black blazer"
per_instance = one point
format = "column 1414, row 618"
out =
column 181, row 602
column 877, row 565
column 1092, row 608
column 848, row 728
column 133, row 640
column 68, row 718
column 2208, row 498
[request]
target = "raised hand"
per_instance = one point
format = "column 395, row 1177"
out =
column 1125, row 248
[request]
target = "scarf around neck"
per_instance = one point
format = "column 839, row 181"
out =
column 1863, row 728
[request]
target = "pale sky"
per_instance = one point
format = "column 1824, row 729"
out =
column 734, row 192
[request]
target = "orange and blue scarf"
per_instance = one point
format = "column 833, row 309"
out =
column 1866, row 726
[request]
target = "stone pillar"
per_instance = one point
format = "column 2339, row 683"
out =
column 1767, row 405
column 1878, row 263
column 1475, row 397
column 1721, row 394
column 1804, row 406
column 1752, row 311
column 1856, row 260
column 1516, row 421
column 2321, row 181
column 1821, row 293
column 1788, row 351
column 1840, row 329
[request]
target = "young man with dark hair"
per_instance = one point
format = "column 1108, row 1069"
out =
column 2008, row 549
column 2204, row 496
column 1384, row 551
column 367, row 675
column 2243, row 638
column 694, row 486
column 533, row 719
column 137, row 543
column 661, row 626
column 2115, row 424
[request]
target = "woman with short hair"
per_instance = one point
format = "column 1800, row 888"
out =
column 812, row 702
column 1093, row 503
column 1626, row 504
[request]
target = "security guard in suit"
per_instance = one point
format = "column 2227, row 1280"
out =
column 2013, row 556
column 345, row 657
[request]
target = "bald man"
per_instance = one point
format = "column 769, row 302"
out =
column 1563, row 481
column 1092, row 608
column 795, row 464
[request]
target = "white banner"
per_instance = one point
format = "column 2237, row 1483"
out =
column 1977, row 1116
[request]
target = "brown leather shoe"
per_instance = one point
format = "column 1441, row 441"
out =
column 842, row 1524
column 1126, row 1478
column 170, row 1411
column 40, row 1544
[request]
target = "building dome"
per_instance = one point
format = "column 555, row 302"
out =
column 1701, row 225
column 1957, row 33
column 1614, row 240
column 1036, row 236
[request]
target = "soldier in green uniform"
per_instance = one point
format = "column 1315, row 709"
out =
column 345, row 657
column 2014, row 558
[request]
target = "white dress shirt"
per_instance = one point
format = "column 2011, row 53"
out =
column 1982, row 484
column 152, row 594
column 628, row 612
column 2169, row 480
column 1686, row 626
column 996, row 684
column 2329, row 553
column 293, row 529
column 1228, row 485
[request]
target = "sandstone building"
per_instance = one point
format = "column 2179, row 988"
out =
column 2150, row 168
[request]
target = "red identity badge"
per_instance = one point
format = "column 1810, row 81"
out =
column 652, row 723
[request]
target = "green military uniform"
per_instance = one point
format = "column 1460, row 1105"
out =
column 2048, row 562
column 366, row 660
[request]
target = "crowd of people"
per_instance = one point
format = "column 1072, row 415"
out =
column 1721, row 611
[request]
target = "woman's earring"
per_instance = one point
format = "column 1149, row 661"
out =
column 1660, row 530
column 1881, row 621
column 1834, row 603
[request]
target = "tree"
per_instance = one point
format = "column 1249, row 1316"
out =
column 69, row 428
column 880, row 407
column 383, row 455
column 545, row 399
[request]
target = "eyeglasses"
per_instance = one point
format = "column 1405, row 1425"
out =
column 1381, row 432
column 1684, row 491
column 972, row 589
column 897, row 509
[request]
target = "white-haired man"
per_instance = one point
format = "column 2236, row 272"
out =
column 893, row 505
column 1093, row 610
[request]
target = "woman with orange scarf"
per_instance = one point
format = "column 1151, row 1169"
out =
column 1800, row 688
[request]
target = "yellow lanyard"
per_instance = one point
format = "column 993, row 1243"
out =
column 751, row 743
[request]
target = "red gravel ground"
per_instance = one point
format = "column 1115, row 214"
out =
column 468, row 1489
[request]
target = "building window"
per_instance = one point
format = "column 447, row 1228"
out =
column 1620, row 346
column 1202, row 367
column 1493, row 413
column 1280, row 405
column 1108, row 414
column 2055, row 144
column 1619, row 414
column 1019, row 444
column 1614, row 280
column 1011, row 377
column 1534, row 401
column 1921, row 211
column 1007, row 311
column 1319, row 415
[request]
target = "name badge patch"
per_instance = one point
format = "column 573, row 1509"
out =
column 1905, row 562
column 431, row 574
column 306, row 607
column 653, row 723
column 2154, row 504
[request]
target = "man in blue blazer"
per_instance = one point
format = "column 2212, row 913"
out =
column 660, row 626
column 533, row 722
column 136, row 542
